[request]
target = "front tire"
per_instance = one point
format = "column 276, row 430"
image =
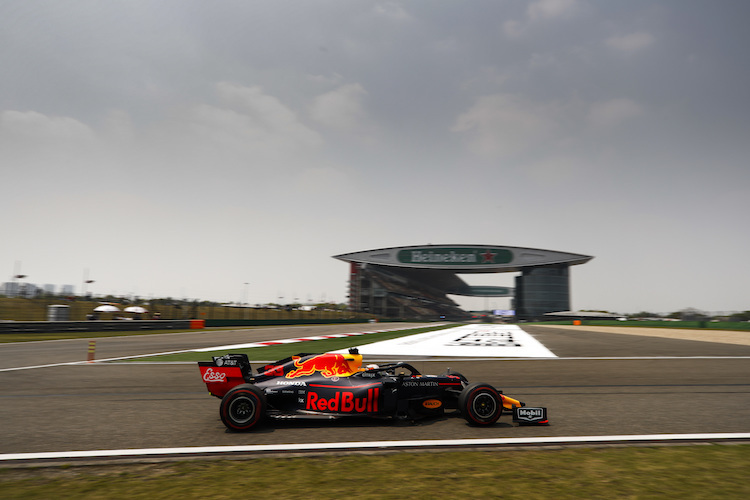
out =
column 243, row 407
column 480, row 404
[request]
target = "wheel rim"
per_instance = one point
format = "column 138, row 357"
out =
column 242, row 410
column 484, row 405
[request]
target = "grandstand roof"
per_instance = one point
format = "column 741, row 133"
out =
column 464, row 258
column 437, row 266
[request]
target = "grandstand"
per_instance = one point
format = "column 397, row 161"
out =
column 415, row 282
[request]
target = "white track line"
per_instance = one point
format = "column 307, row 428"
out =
column 362, row 445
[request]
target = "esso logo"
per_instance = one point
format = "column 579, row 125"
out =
column 211, row 376
column 432, row 404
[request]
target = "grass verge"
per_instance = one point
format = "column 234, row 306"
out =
column 689, row 325
column 707, row 471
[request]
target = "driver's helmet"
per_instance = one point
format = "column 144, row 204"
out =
column 354, row 361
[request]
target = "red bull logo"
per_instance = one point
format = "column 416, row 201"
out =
column 329, row 365
column 344, row 402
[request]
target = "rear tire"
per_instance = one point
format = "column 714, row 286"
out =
column 243, row 407
column 480, row 404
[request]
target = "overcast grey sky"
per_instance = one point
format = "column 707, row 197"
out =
column 184, row 148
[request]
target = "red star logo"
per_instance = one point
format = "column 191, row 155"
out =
column 488, row 257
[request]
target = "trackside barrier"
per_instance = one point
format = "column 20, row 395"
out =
column 9, row 327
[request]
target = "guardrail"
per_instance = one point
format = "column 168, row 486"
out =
column 161, row 324
column 98, row 326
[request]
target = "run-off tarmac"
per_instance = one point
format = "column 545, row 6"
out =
column 676, row 387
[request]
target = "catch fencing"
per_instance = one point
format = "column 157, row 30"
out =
column 38, row 309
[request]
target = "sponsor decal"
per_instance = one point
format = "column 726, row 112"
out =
column 421, row 383
column 455, row 256
column 432, row 403
column 226, row 361
column 329, row 365
column 211, row 376
column 344, row 402
column 291, row 382
column 530, row 415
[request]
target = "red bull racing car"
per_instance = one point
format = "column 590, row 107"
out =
column 336, row 385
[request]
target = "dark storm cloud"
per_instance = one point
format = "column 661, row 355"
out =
column 546, row 123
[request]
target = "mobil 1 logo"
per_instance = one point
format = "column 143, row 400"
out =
column 530, row 416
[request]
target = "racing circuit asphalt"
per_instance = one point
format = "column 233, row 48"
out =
column 603, row 384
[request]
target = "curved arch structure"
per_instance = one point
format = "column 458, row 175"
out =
column 415, row 281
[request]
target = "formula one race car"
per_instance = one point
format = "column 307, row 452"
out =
column 336, row 385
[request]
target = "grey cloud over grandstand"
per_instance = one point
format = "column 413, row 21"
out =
column 184, row 148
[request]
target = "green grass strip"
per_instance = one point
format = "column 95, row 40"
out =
column 282, row 351
column 690, row 325
column 692, row 472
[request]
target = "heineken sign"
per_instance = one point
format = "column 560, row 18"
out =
column 464, row 258
column 455, row 256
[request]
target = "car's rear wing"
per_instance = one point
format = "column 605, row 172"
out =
column 225, row 372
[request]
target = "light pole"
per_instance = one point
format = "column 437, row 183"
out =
column 244, row 298
column 16, row 287
column 20, row 290
column 86, row 281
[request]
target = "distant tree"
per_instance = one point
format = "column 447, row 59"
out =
column 330, row 306
column 645, row 314
column 691, row 314
column 741, row 316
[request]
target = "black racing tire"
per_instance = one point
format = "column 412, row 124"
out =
column 480, row 404
column 243, row 407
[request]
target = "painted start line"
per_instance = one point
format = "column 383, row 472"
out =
column 492, row 341
column 484, row 341
column 445, row 444
column 468, row 341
